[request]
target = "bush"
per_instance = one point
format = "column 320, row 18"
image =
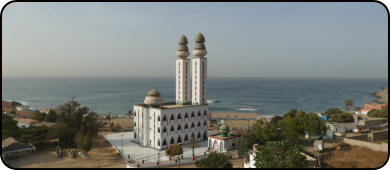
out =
column 341, row 118
column 214, row 160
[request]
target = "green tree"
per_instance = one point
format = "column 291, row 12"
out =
column 292, row 129
column 82, row 140
column 348, row 104
column 342, row 118
column 313, row 125
column 39, row 116
column 275, row 120
column 332, row 111
column 214, row 160
column 246, row 142
column 192, row 143
column 291, row 113
column 265, row 131
column 9, row 127
column 36, row 135
column 280, row 154
column 174, row 150
column 51, row 116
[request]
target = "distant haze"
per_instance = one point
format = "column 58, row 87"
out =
column 281, row 40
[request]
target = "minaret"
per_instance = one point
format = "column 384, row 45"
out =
column 199, row 72
column 182, row 72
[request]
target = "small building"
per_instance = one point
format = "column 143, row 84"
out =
column 341, row 127
column 24, row 122
column 11, row 148
column 224, row 141
column 318, row 145
column 371, row 106
column 23, row 108
column 371, row 122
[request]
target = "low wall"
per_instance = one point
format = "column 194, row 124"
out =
column 373, row 146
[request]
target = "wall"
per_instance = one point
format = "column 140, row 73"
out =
column 373, row 146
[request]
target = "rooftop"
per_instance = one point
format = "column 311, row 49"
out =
column 168, row 105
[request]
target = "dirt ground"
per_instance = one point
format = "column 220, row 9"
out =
column 45, row 158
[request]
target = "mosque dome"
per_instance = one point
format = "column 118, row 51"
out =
column 154, row 98
column 183, row 40
column 199, row 38
column 224, row 130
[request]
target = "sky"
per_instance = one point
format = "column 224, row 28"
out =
column 265, row 40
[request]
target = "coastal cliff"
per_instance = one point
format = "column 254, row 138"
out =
column 382, row 96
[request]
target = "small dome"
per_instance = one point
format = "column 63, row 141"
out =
column 200, row 46
column 183, row 40
column 199, row 38
column 224, row 127
column 182, row 48
column 153, row 92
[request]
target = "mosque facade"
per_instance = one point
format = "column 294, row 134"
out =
column 158, row 124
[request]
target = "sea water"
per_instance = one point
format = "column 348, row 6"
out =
column 265, row 96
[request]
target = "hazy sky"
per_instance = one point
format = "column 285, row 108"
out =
column 325, row 40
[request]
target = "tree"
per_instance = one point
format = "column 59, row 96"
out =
column 9, row 127
column 246, row 142
column 342, row 118
column 313, row 125
column 265, row 131
column 214, row 160
column 280, row 154
column 83, row 140
column 36, row 135
column 292, row 129
column 39, row 116
column 192, row 143
column 130, row 113
column 291, row 113
column 383, row 113
column 276, row 119
column 332, row 111
column 174, row 150
column 51, row 116
column 348, row 104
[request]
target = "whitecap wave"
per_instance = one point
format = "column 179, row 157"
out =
column 213, row 101
column 247, row 109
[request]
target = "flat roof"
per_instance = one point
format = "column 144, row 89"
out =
column 232, row 115
column 169, row 105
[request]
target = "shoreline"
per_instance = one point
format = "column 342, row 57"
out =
column 382, row 96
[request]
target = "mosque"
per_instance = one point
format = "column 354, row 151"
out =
column 159, row 124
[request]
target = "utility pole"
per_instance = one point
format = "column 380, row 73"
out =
column 122, row 143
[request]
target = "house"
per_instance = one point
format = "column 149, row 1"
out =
column 23, row 108
column 341, row 127
column 11, row 148
column 371, row 106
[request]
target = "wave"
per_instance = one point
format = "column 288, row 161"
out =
column 213, row 101
column 247, row 109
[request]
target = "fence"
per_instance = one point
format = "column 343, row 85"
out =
column 383, row 147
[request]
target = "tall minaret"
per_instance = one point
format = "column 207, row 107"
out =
column 199, row 72
column 182, row 72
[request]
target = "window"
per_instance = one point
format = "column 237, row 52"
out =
column 164, row 142
column 186, row 138
column 179, row 116
column 164, row 129
column 135, row 123
column 158, row 118
column 192, row 135
column 172, row 117
column 158, row 130
column 205, row 123
column 198, row 113
column 205, row 113
column 178, row 139
column 179, row 127
column 135, row 113
column 192, row 114
column 192, row 125
column 158, row 142
column 198, row 135
column 135, row 135
column 172, row 141
column 165, row 118
column 199, row 124
column 172, row 129
column 186, row 115
column 186, row 126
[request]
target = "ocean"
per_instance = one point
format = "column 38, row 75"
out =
column 265, row 96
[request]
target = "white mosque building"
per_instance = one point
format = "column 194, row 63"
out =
column 159, row 124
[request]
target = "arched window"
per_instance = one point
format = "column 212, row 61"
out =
column 178, row 139
column 192, row 114
column 172, row 141
column 210, row 144
column 186, row 138
column 198, row 113
column 165, row 118
column 164, row 142
column 199, row 124
column 178, row 116
column 205, row 113
column 204, row 135
column 186, row 126
column 158, row 130
column 186, row 115
column 158, row 142
column 205, row 123
column 158, row 118
column 179, row 127
column 135, row 123
column 135, row 135
column 172, row 117
column 192, row 135
column 192, row 125
column 198, row 135
column 172, row 128
column 164, row 129
column 135, row 113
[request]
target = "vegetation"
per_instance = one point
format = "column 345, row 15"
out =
column 39, row 116
column 348, row 104
column 383, row 113
column 246, row 142
column 51, row 116
column 332, row 111
column 280, row 154
column 342, row 118
column 76, row 125
column 9, row 126
column 214, row 160
column 174, row 150
column 193, row 145
column 36, row 135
